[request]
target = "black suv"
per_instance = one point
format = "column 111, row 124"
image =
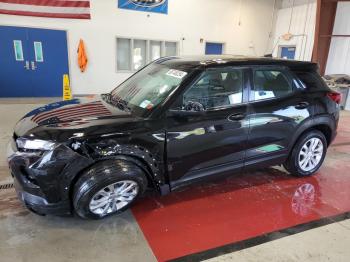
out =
column 174, row 122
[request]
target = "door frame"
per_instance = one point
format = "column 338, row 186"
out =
column 51, row 28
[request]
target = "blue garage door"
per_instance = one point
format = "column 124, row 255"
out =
column 213, row 49
column 32, row 62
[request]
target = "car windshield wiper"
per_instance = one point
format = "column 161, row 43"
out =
column 121, row 104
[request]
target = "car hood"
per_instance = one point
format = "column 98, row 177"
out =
column 72, row 118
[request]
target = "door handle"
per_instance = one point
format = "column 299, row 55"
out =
column 236, row 117
column 302, row 105
column 33, row 65
column 27, row 65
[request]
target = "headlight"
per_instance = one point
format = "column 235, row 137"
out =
column 35, row 144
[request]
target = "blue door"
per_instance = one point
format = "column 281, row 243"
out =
column 14, row 63
column 213, row 48
column 288, row 52
column 33, row 62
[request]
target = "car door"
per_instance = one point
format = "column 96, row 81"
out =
column 207, row 128
column 277, row 108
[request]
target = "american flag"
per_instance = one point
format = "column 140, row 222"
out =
column 47, row 8
column 93, row 109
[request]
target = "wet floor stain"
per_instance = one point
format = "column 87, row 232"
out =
column 10, row 205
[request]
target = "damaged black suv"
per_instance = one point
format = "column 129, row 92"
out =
column 174, row 122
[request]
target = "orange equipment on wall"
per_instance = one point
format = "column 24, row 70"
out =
column 82, row 57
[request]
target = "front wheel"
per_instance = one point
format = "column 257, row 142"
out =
column 107, row 188
column 307, row 155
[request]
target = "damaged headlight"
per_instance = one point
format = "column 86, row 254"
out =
column 34, row 144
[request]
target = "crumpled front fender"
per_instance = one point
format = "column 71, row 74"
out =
column 52, row 171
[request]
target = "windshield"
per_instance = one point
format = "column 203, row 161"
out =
column 149, row 87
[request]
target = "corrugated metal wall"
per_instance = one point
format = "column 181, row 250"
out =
column 339, row 53
column 300, row 22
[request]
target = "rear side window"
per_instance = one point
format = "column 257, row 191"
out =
column 270, row 84
column 312, row 80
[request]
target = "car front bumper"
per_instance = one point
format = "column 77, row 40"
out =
column 39, row 205
column 43, row 180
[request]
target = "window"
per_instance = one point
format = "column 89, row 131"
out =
column 132, row 54
column 155, row 49
column 215, row 89
column 170, row 49
column 123, row 54
column 149, row 86
column 312, row 80
column 139, row 55
column 38, row 50
column 270, row 84
column 18, row 50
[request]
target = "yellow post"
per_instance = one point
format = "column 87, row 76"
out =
column 67, row 92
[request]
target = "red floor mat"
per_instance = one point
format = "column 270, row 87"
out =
column 244, row 206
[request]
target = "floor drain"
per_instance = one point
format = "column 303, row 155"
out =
column 6, row 186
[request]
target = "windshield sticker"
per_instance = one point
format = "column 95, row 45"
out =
column 176, row 73
column 145, row 103
column 149, row 107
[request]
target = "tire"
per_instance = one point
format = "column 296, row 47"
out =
column 104, row 182
column 295, row 165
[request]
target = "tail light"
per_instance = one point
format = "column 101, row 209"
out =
column 335, row 96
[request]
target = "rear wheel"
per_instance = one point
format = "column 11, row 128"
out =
column 107, row 188
column 307, row 155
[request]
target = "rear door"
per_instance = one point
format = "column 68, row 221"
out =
column 212, row 137
column 277, row 108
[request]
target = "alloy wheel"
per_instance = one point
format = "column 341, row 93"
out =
column 113, row 197
column 310, row 154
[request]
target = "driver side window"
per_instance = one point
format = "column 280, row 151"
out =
column 215, row 89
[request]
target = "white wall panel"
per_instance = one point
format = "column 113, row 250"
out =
column 300, row 22
column 339, row 53
column 338, row 57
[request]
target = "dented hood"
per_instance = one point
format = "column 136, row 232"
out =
column 66, row 118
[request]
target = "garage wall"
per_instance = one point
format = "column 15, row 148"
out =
column 339, row 54
column 189, row 19
column 299, row 21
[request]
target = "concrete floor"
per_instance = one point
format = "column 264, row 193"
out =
column 28, row 237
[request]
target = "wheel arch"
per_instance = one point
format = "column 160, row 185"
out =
column 325, row 124
column 126, row 158
column 147, row 161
